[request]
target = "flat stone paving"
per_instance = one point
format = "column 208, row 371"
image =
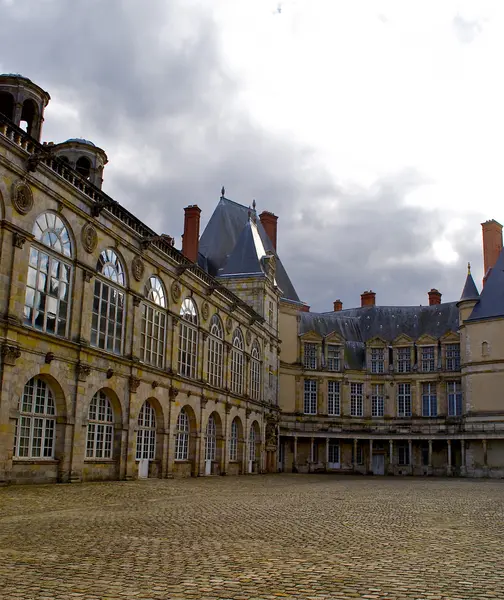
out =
column 276, row 536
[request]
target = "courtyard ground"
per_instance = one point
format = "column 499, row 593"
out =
column 276, row 536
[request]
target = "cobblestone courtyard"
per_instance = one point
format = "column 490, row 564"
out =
column 280, row 536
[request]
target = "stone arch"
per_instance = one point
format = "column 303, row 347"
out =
column 62, row 396
column 83, row 166
column 122, row 263
column 213, row 443
column 71, row 236
column 113, row 396
column 187, row 466
column 145, row 439
column 7, row 105
column 236, row 464
column 30, row 115
column 254, row 447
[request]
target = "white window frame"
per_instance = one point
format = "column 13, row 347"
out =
column 153, row 329
column 428, row 359
column 454, row 396
column 377, row 360
column 146, row 433
column 403, row 457
column 310, row 355
column 255, row 373
column 404, row 399
column 403, row 359
column 377, row 400
column 429, row 399
column 100, row 428
column 237, row 363
column 310, row 396
column 333, row 398
column 35, row 435
column 333, row 357
column 252, row 443
column 108, row 333
column 182, row 436
column 49, row 276
column 359, row 459
column 211, row 439
column 452, row 353
column 188, row 339
column 215, row 363
column 356, row 399
column 334, row 452
column 233, row 441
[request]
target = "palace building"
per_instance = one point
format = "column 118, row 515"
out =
column 123, row 357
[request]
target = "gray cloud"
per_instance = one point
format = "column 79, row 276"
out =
column 154, row 83
column 466, row 30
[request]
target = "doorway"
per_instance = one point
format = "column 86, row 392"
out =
column 378, row 464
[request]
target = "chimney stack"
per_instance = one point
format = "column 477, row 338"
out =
column 269, row 222
column 492, row 245
column 434, row 297
column 368, row 298
column 338, row 305
column 190, row 239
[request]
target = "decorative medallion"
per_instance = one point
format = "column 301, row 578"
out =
column 22, row 198
column 248, row 337
column 229, row 324
column 89, row 238
column 138, row 268
column 176, row 291
column 205, row 311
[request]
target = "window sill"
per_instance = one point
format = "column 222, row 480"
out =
column 34, row 461
column 110, row 461
column 182, row 461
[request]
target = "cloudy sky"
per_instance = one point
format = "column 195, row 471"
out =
column 372, row 129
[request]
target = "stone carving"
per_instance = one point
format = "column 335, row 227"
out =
column 205, row 311
column 83, row 371
column 173, row 393
column 248, row 412
column 248, row 338
column 137, row 268
column 22, row 198
column 176, row 291
column 271, row 434
column 19, row 240
column 89, row 238
column 87, row 275
column 154, row 384
column 136, row 299
column 49, row 357
column 110, row 373
column 228, row 407
column 10, row 354
column 134, row 382
column 229, row 324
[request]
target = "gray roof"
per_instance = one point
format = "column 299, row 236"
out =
column 80, row 141
column 491, row 303
column 470, row 291
column 226, row 246
column 387, row 322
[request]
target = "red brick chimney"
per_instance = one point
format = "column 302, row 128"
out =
column 269, row 222
column 368, row 298
column 434, row 297
column 492, row 245
column 338, row 305
column 190, row 239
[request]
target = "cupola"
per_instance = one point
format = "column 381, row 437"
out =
column 83, row 156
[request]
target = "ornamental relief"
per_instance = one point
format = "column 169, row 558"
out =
column 22, row 197
column 176, row 291
column 205, row 311
column 89, row 238
column 229, row 324
column 248, row 337
column 137, row 268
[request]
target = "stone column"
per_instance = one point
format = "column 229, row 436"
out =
column 391, row 457
column 485, row 457
column 449, row 466
column 327, row 454
column 225, row 444
column 410, row 451
column 312, row 454
column 294, row 463
column 355, row 454
column 463, row 468
column 370, row 456
column 430, row 456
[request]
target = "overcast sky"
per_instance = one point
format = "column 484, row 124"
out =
column 372, row 129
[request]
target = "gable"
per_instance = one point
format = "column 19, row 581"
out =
column 450, row 336
column 377, row 341
column 426, row 340
column 402, row 340
column 334, row 338
column 311, row 336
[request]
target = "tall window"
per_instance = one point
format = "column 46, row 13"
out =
column 333, row 398
column 100, row 430
column 429, row 400
column 252, row 443
column 453, row 357
column 182, row 437
column 404, row 400
column 404, row 360
column 233, row 441
column 188, row 340
column 237, row 363
column 377, row 400
column 454, row 389
column 146, row 433
column 270, row 313
column 47, row 296
column 153, row 323
column 107, row 323
column 377, row 360
column 356, row 400
column 36, row 424
column 404, row 457
column 210, row 439
column 215, row 352
column 359, row 458
column 333, row 357
column 255, row 373
column 428, row 359
column 334, row 452
column 310, row 397
column 310, row 356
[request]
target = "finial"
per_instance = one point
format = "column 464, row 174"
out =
column 468, row 268
column 223, row 192
column 254, row 204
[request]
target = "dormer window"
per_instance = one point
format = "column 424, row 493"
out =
column 428, row 364
column 404, row 360
column 377, row 360
column 453, row 357
column 333, row 357
column 310, row 356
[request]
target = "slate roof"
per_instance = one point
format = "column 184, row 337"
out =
column 226, row 247
column 491, row 302
column 470, row 291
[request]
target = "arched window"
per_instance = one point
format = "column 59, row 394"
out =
column 36, row 423
column 154, row 323
column 252, row 443
column 182, row 437
column 29, row 114
column 237, row 363
column 188, row 340
column 210, row 439
column 107, row 323
column 100, row 430
column 146, row 433
column 47, row 298
column 233, row 441
column 83, row 167
column 7, row 105
column 255, row 372
column 215, row 352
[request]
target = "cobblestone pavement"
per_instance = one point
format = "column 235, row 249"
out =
column 262, row 537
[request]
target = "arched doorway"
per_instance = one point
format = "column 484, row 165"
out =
column 254, row 449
